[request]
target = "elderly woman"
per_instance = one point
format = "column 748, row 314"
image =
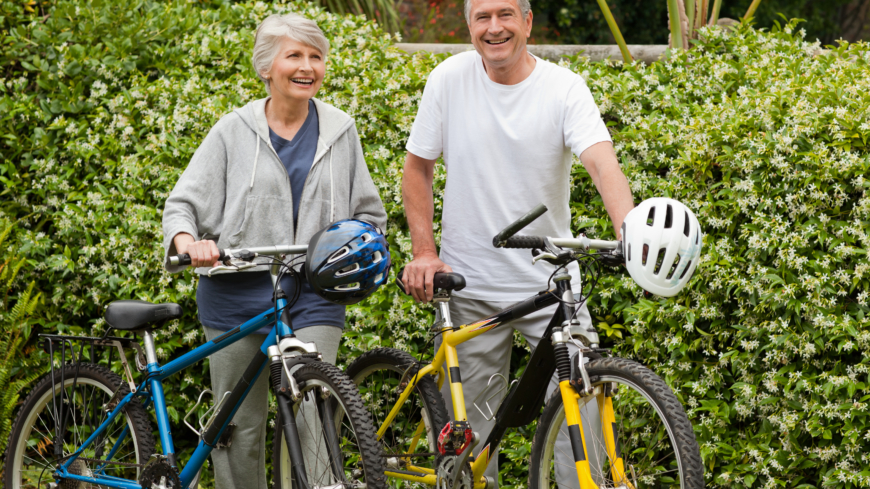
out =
column 272, row 172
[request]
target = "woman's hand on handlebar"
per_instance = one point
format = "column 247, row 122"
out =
column 203, row 253
column 420, row 273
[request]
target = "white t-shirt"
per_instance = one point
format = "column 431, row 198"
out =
column 506, row 148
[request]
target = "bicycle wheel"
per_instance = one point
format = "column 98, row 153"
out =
column 408, row 444
column 343, row 454
column 31, row 456
column 651, row 431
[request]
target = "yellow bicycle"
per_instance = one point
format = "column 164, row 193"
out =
column 641, row 437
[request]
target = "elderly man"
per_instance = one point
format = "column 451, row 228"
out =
column 506, row 123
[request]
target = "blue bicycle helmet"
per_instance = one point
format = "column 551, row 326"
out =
column 347, row 261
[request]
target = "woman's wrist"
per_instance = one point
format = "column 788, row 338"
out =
column 182, row 241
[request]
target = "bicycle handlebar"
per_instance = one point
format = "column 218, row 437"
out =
column 246, row 254
column 581, row 243
column 500, row 239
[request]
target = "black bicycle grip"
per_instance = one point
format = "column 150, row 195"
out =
column 526, row 242
column 499, row 240
column 184, row 258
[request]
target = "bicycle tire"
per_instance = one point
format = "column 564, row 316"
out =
column 378, row 375
column 359, row 450
column 641, row 400
column 31, row 436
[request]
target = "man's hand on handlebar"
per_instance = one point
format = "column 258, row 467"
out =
column 419, row 275
column 203, row 253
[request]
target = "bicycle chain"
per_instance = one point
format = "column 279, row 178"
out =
column 408, row 455
column 98, row 461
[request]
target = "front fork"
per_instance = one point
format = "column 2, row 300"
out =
column 570, row 394
column 280, row 370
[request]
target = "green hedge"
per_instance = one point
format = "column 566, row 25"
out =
column 102, row 105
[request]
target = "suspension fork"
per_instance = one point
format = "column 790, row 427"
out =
column 326, row 408
column 569, row 394
column 291, row 431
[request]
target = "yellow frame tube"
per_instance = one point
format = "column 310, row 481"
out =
column 445, row 354
column 428, row 479
column 430, row 369
column 572, row 416
column 608, row 429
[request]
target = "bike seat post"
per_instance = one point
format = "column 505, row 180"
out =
column 443, row 300
column 150, row 350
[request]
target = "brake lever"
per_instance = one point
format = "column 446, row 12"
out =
column 232, row 266
column 543, row 255
column 551, row 254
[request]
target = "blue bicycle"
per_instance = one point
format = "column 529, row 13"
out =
column 85, row 426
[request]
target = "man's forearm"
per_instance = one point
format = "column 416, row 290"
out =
column 603, row 167
column 419, row 203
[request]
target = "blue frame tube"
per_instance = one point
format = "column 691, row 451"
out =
column 193, row 464
column 199, row 353
column 119, row 483
column 114, row 449
column 162, row 417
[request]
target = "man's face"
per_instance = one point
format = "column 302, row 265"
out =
column 499, row 31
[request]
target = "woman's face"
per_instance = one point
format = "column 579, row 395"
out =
column 297, row 71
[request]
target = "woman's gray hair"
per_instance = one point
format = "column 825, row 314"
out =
column 272, row 32
column 524, row 6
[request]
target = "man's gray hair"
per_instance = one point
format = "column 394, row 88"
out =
column 523, row 5
column 272, row 32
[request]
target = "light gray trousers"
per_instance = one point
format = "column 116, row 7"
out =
column 243, row 464
column 490, row 353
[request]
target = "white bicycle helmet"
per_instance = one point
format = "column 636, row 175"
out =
column 662, row 243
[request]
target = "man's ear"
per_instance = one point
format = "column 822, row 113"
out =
column 529, row 24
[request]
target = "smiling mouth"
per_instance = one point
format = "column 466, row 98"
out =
column 303, row 81
column 500, row 41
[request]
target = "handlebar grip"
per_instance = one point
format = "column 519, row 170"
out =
column 499, row 240
column 184, row 258
column 524, row 242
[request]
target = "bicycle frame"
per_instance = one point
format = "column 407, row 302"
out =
column 151, row 390
column 523, row 402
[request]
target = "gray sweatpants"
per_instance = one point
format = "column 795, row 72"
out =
column 243, row 464
column 490, row 353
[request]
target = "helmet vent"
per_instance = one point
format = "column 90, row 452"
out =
column 686, row 226
column 673, row 268
column 688, row 266
column 669, row 217
column 346, row 287
column 644, row 255
column 659, row 259
column 377, row 257
column 698, row 237
column 629, row 251
column 650, row 219
column 366, row 237
column 378, row 278
column 338, row 255
column 347, row 270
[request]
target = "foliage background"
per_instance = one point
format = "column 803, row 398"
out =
column 102, row 104
column 640, row 21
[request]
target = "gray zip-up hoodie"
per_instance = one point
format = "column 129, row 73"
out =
column 236, row 191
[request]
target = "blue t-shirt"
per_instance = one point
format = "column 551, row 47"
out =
column 226, row 301
column 298, row 154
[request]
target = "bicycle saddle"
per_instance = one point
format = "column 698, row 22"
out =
column 442, row 281
column 134, row 315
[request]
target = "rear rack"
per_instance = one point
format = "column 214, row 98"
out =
column 70, row 360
